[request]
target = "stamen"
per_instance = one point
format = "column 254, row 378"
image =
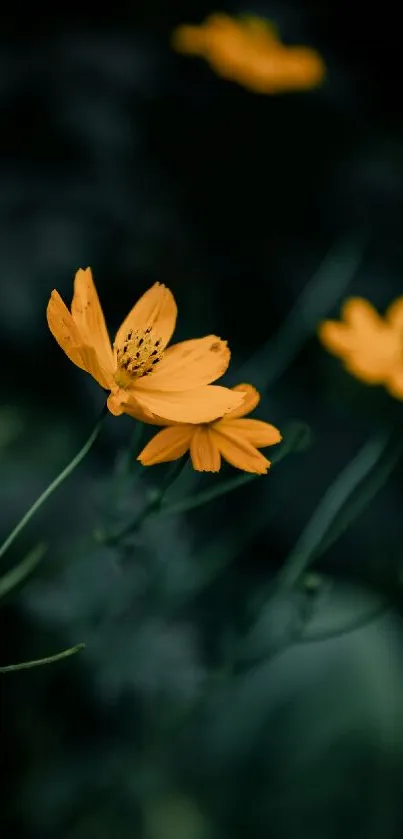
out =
column 137, row 356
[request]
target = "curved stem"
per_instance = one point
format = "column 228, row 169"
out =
column 317, row 529
column 154, row 505
column 54, row 485
column 323, row 290
column 26, row 665
column 17, row 574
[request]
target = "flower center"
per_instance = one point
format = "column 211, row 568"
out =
column 138, row 356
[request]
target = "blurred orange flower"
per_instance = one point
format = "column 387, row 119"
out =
column 370, row 346
column 232, row 437
column 145, row 379
column 248, row 51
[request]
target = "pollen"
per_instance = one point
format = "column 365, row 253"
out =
column 138, row 356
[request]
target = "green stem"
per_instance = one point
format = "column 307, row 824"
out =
column 325, row 287
column 27, row 565
column 153, row 506
column 355, row 508
column 27, row 665
column 296, row 438
column 54, row 485
column 305, row 551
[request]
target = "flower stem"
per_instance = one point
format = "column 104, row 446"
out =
column 318, row 527
column 27, row 665
column 325, row 287
column 18, row 574
column 154, row 505
column 54, row 485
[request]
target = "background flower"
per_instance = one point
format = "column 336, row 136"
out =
column 370, row 346
column 249, row 51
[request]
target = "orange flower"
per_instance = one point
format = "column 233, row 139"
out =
column 145, row 379
column 232, row 437
column 247, row 50
column 370, row 346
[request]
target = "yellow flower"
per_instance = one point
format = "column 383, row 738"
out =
column 232, row 437
column 248, row 50
column 145, row 379
column 370, row 346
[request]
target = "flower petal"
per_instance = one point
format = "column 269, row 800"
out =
column 121, row 401
column 189, row 39
column 88, row 315
column 362, row 368
column 361, row 315
column 167, row 445
column 239, row 452
column 394, row 314
column 204, row 451
column 284, row 68
column 202, row 404
column 336, row 337
column 256, row 432
column 188, row 365
column 64, row 330
column 250, row 400
column 156, row 309
column 69, row 338
column 394, row 384
column 377, row 357
column 262, row 32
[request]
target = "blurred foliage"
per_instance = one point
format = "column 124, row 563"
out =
column 208, row 703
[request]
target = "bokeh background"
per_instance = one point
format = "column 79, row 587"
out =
column 201, row 708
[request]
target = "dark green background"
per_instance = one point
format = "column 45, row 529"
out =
column 180, row 721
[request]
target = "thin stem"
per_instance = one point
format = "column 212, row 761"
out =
column 27, row 665
column 153, row 506
column 54, row 485
column 355, row 508
column 305, row 551
column 325, row 287
column 296, row 439
column 352, row 626
column 17, row 574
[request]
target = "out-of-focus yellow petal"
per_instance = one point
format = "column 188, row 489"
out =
column 394, row 383
column 262, row 32
column 169, row 444
column 362, row 368
column 248, row 50
column 155, row 310
column 204, row 451
column 336, row 337
column 361, row 315
column 189, row 40
column 394, row 314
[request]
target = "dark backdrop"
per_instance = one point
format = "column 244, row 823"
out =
column 119, row 154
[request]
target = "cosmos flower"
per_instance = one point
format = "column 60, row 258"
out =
column 370, row 346
column 232, row 437
column 145, row 379
column 248, row 50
